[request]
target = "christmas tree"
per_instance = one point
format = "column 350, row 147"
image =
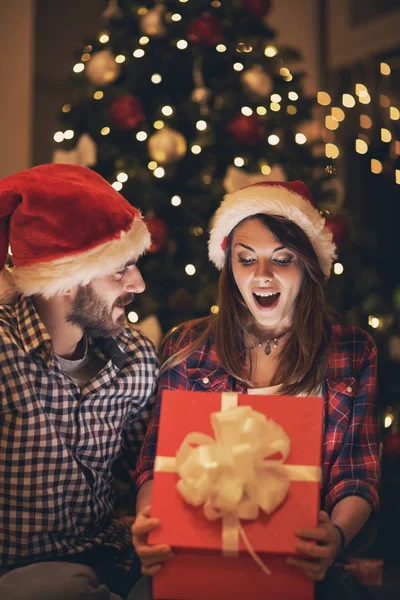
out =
column 175, row 103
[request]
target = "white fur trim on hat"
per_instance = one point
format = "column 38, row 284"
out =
column 58, row 276
column 271, row 200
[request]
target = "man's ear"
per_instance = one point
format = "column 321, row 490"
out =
column 70, row 292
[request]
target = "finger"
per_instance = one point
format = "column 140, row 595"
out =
column 323, row 517
column 153, row 570
column 153, row 560
column 313, row 550
column 143, row 527
column 146, row 551
column 319, row 535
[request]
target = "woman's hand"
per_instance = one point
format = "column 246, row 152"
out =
column 150, row 556
column 319, row 547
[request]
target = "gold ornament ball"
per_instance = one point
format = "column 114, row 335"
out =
column 102, row 69
column 257, row 81
column 167, row 146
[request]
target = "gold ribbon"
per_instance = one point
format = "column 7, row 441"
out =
column 236, row 474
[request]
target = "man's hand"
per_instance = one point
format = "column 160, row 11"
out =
column 319, row 547
column 150, row 556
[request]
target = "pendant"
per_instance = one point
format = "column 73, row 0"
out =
column 267, row 350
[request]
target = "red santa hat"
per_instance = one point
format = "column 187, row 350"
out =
column 64, row 225
column 291, row 200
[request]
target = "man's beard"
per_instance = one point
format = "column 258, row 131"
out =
column 94, row 316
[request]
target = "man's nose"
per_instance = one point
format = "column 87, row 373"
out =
column 133, row 281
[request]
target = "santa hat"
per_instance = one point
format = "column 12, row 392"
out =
column 64, row 225
column 291, row 200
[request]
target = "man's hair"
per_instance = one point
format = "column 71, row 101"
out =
column 303, row 359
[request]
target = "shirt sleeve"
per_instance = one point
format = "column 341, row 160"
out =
column 171, row 379
column 356, row 470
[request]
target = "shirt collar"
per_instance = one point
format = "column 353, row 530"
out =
column 32, row 331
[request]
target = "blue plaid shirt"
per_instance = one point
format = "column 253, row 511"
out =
column 58, row 442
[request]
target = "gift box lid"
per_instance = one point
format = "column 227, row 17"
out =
column 185, row 526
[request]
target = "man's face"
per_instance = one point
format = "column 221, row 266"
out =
column 98, row 308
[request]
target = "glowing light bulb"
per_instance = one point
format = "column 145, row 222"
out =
column 176, row 200
column 300, row 138
column 58, row 136
column 190, row 269
column 261, row 110
column 221, row 48
column 78, row 68
column 196, row 149
column 69, row 134
column 141, row 136
column 138, row 53
column 104, row 38
column 348, row 100
column 323, row 98
column 176, row 17
column 238, row 66
column 214, row 309
column 122, row 177
column 238, row 161
column 376, row 166
column 293, row 96
column 98, row 95
column 181, row 44
column 338, row 268
column 159, row 172
column 385, row 69
column 120, row 59
column 117, row 185
column 246, row 111
column 156, row 78
column 373, row 322
column 361, row 146
column 133, row 317
column 144, row 40
column 273, row 140
column 331, row 151
column 167, row 110
column 276, row 98
column 270, row 51
column 105, row 130
column 201, row 125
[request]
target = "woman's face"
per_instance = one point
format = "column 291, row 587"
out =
column 268, row 275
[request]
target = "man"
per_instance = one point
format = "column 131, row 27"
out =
column 75, row 386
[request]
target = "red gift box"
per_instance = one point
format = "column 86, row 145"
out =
column 200, row 571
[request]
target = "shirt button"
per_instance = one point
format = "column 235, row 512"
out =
column 349, row 389
column 206, row 380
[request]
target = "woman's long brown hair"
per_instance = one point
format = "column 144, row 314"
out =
column 303, row 359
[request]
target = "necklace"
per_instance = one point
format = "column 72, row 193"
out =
column 269, row 341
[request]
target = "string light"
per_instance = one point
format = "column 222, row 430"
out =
column 338, row 113
column 397, row 175
column 105, row 131
column 376, row 166
column 284, row 72
column 181, row 44
column 246, row 111
column 117, row 185
column 196, row 149
column 104, row 38
column 338, row 268
column 386, row 136
column 384, row 101
column 261, row 110
column 122, row 177
column 144, row 40
column 276, row 98
column 142, row 11
column 323, row 98
column 214, row 309
column 273, row 139
column 167, row 110
column 373, row 322
column 365, row 122
column 156, row 78
column 152, row 165
column 66, row 108
column 270, row 51
column 291, row 109
column 389, row 417
column 201, row 125
column 133, row 317
column 265, row 169
column 300, row 138
column 348, row 100
column 275, row 107
column 85, row 57
column 331, row 123
column 365, row 99
column 159, row 172
column 176, row 200
column 98, row 95
column 221, row 48
column 69, row 134
column 394, row 113
column 158, row 124
column 238, row 161
column 385, row 69
column 361, row 89
column 190, row 269
column 361, row 146
column 120, row 58
column 176, row 17
column 78, row 68
column 58, row 136
column 238, row 66
column 293, row 96
column 331, row 151
column 139, row 53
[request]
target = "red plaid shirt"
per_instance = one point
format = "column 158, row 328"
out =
column 350, row 460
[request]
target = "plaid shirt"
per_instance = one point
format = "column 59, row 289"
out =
column 350, row 460
column 58, row 443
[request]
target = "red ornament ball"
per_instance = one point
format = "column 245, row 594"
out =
column 246, row 130
column 206, row 30
column 158, row 231
column 126, row 112
column 340, row 229
column 391, row 445
column 258, row 8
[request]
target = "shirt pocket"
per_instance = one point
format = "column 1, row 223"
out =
column 204, row 380
column 339, row 406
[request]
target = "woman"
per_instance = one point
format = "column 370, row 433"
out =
column 274, row 335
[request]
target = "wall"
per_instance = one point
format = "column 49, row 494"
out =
column 16, row 97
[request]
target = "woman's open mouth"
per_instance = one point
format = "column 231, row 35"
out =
column 266, row 300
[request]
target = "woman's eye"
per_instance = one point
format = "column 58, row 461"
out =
column 245, row 261
column 284, row 261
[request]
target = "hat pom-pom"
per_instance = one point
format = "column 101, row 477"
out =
column 8, row 291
